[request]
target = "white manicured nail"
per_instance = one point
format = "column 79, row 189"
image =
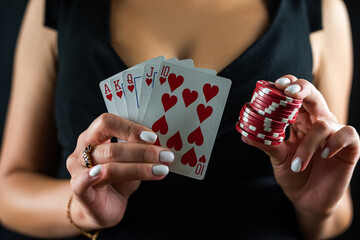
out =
column 296, row 165
column 166, row 157
column 160, row 170
column 147, row 136
column 283, row 81
column 94, row 171
column 325, row 153
column 293, row 88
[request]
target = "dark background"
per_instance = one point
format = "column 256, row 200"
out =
column 11, row 13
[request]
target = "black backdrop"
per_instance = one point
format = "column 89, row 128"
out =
column 11, row 13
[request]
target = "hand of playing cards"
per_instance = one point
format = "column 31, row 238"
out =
column 265, row 118
column 179, row 102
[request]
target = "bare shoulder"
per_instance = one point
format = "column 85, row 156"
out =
column 335, row 18
column 332, row 54
column 336, row 32
column 334, row 7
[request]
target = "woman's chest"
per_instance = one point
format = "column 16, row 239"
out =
column 212, row 33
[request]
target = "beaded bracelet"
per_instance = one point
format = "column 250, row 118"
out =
column 68, row 215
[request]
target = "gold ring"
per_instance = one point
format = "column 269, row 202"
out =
column 86, row 156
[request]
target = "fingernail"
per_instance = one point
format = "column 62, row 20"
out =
column 166, row 157
column 160, row 170
column 283, row 81
column 293, row 88
column 325, row 153
column 94, row 171
column 147, row 136
column 296, row 165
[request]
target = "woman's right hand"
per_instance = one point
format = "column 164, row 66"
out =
column 101, row 193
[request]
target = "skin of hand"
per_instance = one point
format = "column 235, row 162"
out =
column 315, row 165
column 101, row 193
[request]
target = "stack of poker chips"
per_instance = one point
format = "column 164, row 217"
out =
column 265, row 118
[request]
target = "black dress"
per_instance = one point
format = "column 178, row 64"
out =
column 239, row 197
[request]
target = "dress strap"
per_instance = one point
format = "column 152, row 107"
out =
column 314, row 14
column 52, row 8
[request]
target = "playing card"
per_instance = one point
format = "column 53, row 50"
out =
column 117, row 86
column 149, row 76
column 148, row 80
column 185, row 110
column 132, row 81
column 132, row 86
column 185, row 63
column 206, row 70
column 108, row 95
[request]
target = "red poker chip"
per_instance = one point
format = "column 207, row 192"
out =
column 261, row 129
column 273, row 114
column 273, row 107
column 254, row 121
column 275, row 93
column 267, row 98
column 248, row 135
column 261, row 135
column 272, row 110
column 257, row 92
column 278, row 117
column 255, row 114
column 259, row 95
column 266, row 117
column 270, row 89
column 267, row 127
column 270, row 132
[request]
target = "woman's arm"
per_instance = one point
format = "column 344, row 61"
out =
column 333, row 68
column 315, row 164
column 333, row 60
column 31, row 202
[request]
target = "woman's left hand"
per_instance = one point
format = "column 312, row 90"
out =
column 315, row 165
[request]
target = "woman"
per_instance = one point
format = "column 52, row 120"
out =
column 301, row 192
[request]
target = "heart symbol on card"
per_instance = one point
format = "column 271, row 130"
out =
column 175, row 142
column 196, row 137
column 119, row 94
column 131, row 88
column 203, row 112
column 168, row 101
column 148, row 81
column 202, row 159
column 175, row 81
column 210, row 91
column 160, row 125
column 162, row 80
column 189, row 158
column 157, row 142
column 109, row 96
column 189, row 96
